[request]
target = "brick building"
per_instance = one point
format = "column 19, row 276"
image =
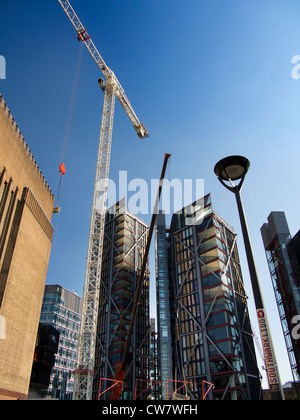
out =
column 26, row 205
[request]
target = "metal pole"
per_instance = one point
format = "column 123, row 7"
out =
column 270, row 358
column 249, row 252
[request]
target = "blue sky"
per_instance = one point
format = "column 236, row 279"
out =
column 208, row 78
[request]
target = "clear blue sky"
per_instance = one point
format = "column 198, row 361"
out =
column 208, row 79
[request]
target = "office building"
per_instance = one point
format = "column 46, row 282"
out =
column 282, row 252
column 62, row 310
column 207, row 335
column 26, row 206
column 123, row 250
column 293, row 248
column 44, row 360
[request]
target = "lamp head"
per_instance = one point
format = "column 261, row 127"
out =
column 232, row 167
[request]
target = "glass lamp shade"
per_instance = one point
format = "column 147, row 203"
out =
column 232, row 167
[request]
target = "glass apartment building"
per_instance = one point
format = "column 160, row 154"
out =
column 208, row 336
column 123, row 250
column 153, row 377
column 61, row 309
column 283, row 257
column 165, row 309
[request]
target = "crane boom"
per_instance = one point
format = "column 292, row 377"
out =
column 84, row 374
column 106, row 71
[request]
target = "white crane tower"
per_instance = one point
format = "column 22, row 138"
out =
column 84, row 374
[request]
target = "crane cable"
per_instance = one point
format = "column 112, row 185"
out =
column 70, row 119
column 67, row 137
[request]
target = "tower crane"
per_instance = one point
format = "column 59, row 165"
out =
column 84, row 374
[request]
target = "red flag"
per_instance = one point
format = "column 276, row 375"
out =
column 62, row 168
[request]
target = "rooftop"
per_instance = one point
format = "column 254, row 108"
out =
column 30, row 155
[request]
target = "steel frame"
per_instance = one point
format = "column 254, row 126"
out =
column 110, row 301
column 278, row 261
column 115, row 383
column 196, row 259
column 169, row 396
column 152, row 383
column 204, row 394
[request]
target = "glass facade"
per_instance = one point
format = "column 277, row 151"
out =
column 153, row 375
column 165, row 308
column 212, row 341
column 61, row 309
column 123, row 250
column 283, row 266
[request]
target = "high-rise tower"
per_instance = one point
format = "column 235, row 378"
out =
column 123, row 250
column 284, row 262
column 212, row 339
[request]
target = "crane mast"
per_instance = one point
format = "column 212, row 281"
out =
column 84, row 374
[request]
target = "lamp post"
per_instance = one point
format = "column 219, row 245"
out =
column 234, row 168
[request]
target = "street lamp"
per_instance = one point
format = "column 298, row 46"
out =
column 234, row 168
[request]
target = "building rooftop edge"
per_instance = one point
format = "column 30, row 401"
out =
column 62, row 287
column 14, row 124
column 122, row 202
column 201, row 202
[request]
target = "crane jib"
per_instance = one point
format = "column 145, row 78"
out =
column 82, row 35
